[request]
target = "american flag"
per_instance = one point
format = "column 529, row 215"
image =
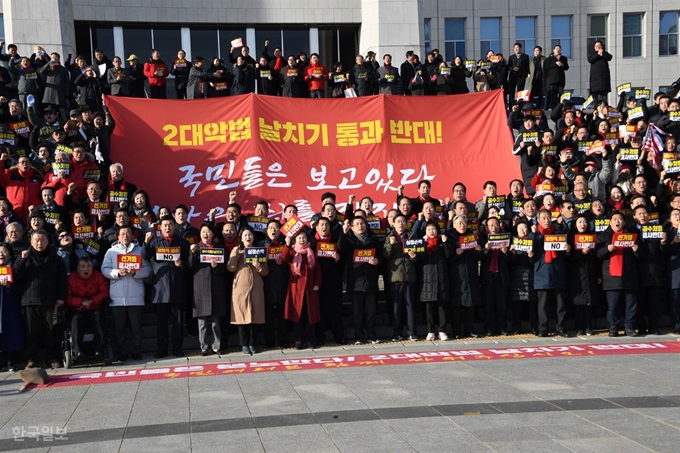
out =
column 653, row 143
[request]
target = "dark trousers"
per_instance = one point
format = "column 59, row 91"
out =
column 553, row 97
column 516, row 314
column 38, row 328
column 544, row 297
column 464, row 316
column 613, row 302
column 174, row 312
column 364, row 307
column 191, row 322
column 436, row 316
column 276, row 330
column 331, row 315
column 120, row 316
column 403, row 297
column 537, row 93
column 599, row 95
column 90, row 318
column 317, row 94
column 181, row 93
column 582, row 317
column 648, row 308
column 246, row 334
column 515, row 85
column 158, row 92
column 675, row 308
column 495, row 297
column 303, row 330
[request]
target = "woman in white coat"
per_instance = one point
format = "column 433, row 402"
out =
column 127, row 289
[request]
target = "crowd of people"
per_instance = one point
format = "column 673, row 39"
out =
column 593, row 221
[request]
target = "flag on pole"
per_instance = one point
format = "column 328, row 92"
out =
column 653, row 143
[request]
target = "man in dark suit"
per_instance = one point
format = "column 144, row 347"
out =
column 518, row 63
column 408, row 72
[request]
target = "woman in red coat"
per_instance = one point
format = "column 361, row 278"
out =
column 302, row 299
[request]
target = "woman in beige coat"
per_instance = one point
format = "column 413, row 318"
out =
column 247, row 298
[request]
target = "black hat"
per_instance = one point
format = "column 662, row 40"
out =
column 36, row 213
column 528, row 106
column 74, row 112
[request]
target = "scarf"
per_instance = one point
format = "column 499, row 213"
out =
column 112, row 185
column 230, row 245
column 549, row 254
column 617, row 205
column 616, row 262
column 322, row 238
column 363, row 238
column 432, row 245
column 297, row 259
column 167, row 238
column 493, row 267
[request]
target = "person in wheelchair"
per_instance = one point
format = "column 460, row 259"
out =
column 87, row 291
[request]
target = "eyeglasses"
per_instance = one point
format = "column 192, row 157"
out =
column 569, row 207
column 63, row 236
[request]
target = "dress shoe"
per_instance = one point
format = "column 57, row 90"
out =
column 475, row 335
column 299, row 346
column 217, row 351
column 543, row 334
column 613, row 333
column 631, row 333
column 178, row 354
column 245, row 349
column 397, row 338
column 412, row 338
column 589, row 332
column 253, row 350
column 580, row 333
column 161, row 355
column 205, row 353
column 563, row 333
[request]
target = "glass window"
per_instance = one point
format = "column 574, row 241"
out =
column 490, row 34
column 454, row 38
column 295, row 41
column 632, row 35
column 525, row 32
column 168, row 41
column 138, row 41
column 597, row 30
column 227, row 35
column 203, row 43
column 668, row 33
column 561, row 33
column 2, row 27
column 274, row 37
column 426, row 28
column 102, row 38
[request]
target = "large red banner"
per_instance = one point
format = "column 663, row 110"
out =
column 290, row 151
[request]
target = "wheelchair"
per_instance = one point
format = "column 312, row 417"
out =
column 89, row 355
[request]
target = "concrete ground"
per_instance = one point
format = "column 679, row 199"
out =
column 621, row 403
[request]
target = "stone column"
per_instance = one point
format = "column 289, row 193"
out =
column 46, row 23
column 392, row 26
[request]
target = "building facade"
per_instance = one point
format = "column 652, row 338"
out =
column 642, row 36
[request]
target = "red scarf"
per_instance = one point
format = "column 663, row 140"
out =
column 230, row 245
column 112, row 184
column 207, row 246
column 493, row 267
column 167, row 238
column 432, row 245
column 616, row 261
column 322, row 238
column 549, row 254
column 617, row 205
column 300, row 250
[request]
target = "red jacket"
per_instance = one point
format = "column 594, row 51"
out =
column 150, row 68
column 301, row 287
column 95, row 288
column 22, row 190
column 78, row 172
column 60, row 187
column 316, row 83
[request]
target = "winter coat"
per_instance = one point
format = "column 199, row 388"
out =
column 42, row 284
column 181, row 73
column 313, row 82
column 301, row 289
column 126, row 291
column 276, row 282
column 11, row 320
column 434, row 271
column 56, row 83
column 532, row 72
column 459, row 75
column 210, row 285
column 463, row 274
column 600, row 78
column 169, row 282
column 28, row 80
column 244, row 80
column 401, row 267
column 71, row 257
column 22, row 190
column 150, row 69
column 94, row 288
column 358, row 77
column 78, row 172
column 629, row 279
column 361, row 277
column 553, row 74
column 548, row 275
column 331, row 271
column 90, row 89
column 521, row 277
column 247, row 298
column 651, row 264
column 198, row 82
column 673, row 252
column 582, row 274
column 291, row 82
column 485, row 274
column 389, row 80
